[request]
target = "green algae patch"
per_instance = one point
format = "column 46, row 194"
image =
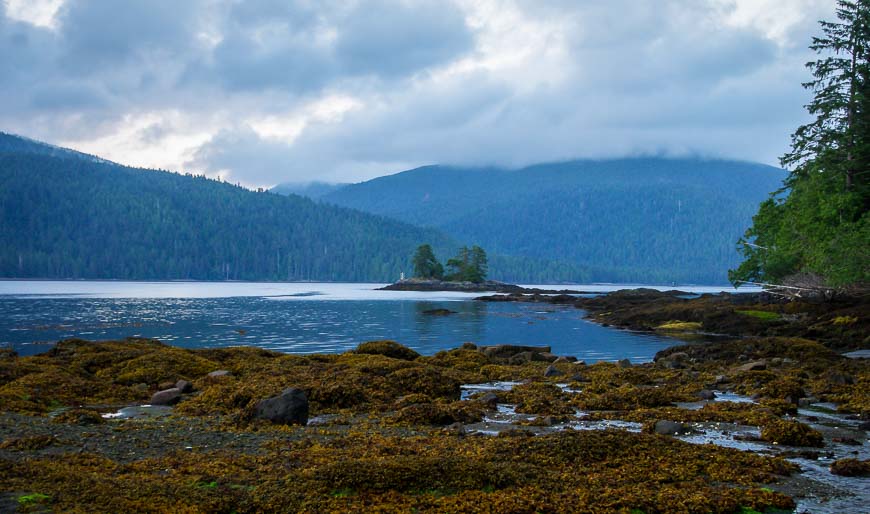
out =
column 844, row 320
column 762, row 315
column 679, row 326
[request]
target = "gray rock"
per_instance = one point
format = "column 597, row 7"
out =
column 553, row 371
column 706, row 394
column 490, row 400
column 468, row 346
column 545, row 356
column 288, row 408
column 166, row 397
column 184, row 386
column 577, row 377
column 679, row 357
column 455, row 429
column 753, row 366
column 670, row 364
column 665, row 427
column 721, row 379
column 624, row 363
column 219, row 373
column 566, row 358
column 806, row 402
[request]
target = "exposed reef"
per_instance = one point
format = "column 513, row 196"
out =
column 392, row 430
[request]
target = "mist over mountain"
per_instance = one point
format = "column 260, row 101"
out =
column 640, row 219
column 311, row 190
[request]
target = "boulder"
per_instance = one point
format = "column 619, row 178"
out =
column 184, row 386
column 624, row 363
column 288, row 408
column 665, row 427
column 807, row 401
column 566, row 358
column 489, row 399
column 219, row 373
column 169, row 396
column 706, row 394
column 553, row 371
column 545, row 356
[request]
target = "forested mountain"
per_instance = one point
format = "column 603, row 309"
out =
column 643, row 219
column 64, row 214
column 311, row 190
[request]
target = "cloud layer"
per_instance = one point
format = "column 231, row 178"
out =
column 275, row 91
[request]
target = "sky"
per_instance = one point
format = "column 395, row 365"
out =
column 272, row 91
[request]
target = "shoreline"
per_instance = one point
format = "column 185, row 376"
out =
column 391, row 428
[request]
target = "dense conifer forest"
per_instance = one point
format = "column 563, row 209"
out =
column 629, row 220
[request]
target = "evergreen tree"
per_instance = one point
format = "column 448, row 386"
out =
column 469, row 265
column 819, row 222
column 425, row 263
column 478, row 267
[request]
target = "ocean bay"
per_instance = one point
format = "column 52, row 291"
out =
column 300, row 318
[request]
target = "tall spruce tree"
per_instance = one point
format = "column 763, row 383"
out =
column 425, row 263
column 818, row 223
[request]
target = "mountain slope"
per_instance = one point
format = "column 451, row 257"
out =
column 645, row 219
column 68, row 215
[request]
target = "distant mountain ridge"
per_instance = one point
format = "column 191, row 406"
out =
column 638, row 219
column 64, row 214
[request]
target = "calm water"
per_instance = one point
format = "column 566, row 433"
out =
column 298, row 318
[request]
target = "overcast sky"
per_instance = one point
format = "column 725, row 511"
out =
column 263, row 92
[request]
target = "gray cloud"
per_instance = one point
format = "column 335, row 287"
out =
column 556, row 79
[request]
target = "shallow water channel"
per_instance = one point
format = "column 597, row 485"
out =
column 815, row 489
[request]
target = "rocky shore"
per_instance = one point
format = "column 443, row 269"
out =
column 489, row 286
column 474, row 429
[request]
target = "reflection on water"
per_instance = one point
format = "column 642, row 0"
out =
column 301, row 326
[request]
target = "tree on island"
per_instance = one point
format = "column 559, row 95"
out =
column 425, row 263
column 818, row 224
column 469, row 265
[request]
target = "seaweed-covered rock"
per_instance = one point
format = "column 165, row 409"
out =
column 288, row 408
column 506, row 351
column 851, row 468
column 791, row 433
column 387, row 349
